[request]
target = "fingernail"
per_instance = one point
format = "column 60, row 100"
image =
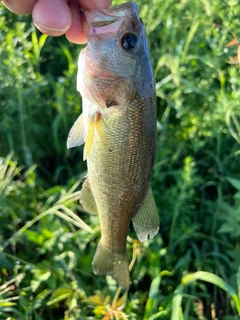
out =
column 49, row 31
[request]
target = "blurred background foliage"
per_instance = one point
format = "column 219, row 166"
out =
column 191, row 269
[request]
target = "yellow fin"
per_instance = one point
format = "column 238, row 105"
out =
column 146, row 220
column 101, row 126
column 92, row 123
column 86, row 197
column 76, row 135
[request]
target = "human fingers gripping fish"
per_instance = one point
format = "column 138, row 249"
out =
column 118, row 127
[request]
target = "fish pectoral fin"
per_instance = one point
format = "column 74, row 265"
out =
column 146, row 220
column 102, row 127
column 76, row 135
column 92, row 123
column 86, row 197
column 106, row 261
column 84, row 132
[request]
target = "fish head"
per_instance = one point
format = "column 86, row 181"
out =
column 115, row 66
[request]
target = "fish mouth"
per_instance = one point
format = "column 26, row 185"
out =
column 102, row 21
column 101, row 24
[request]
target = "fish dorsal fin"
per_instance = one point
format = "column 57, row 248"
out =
column 76, row 135
column 86, row 197
column 146, row 220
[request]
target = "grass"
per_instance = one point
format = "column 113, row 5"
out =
column 47, row 241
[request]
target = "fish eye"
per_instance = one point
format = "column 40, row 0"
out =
column 129, row 41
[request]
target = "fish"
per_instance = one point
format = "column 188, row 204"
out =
column 118, row 127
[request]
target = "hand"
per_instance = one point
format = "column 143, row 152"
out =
column 56, row 17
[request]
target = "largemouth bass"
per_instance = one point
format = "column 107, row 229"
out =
column 118, row 127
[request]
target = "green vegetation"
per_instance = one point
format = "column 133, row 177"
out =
column 191, row 270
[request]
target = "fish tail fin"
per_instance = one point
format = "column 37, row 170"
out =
column 116, row 264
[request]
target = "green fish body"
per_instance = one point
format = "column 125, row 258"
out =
column 118, row 127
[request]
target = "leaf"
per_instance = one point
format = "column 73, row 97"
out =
column 11, row 310
column 6, row 304
column 41, row 274
column 95, row 300
column 204, row 276
column 237, row 195
column 234, row 182
column 121, row 301
column 35, row 43
column 4, row 262
column 234, row 60
column 42, row 41
column 59, row 294
column 212, row 278
column 35, row 237
column 153, row 297
column 72, row 259
column 38, row 301
column 35, row 284
column 51, row 191
column 76, row 220
column 232, row 43
column 176, row 304
column 225, row 228
column 192, row 31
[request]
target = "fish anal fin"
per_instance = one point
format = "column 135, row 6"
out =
column 76, row 135
column 146, row 220
column 92, row 124
column 107, row 262
column 86, row 197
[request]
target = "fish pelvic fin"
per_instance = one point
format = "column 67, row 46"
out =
column 86, row 197
column 107, row 262
column 146, row 220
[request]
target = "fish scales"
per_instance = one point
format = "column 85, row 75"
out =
column 118, row 126
column 121, row 184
